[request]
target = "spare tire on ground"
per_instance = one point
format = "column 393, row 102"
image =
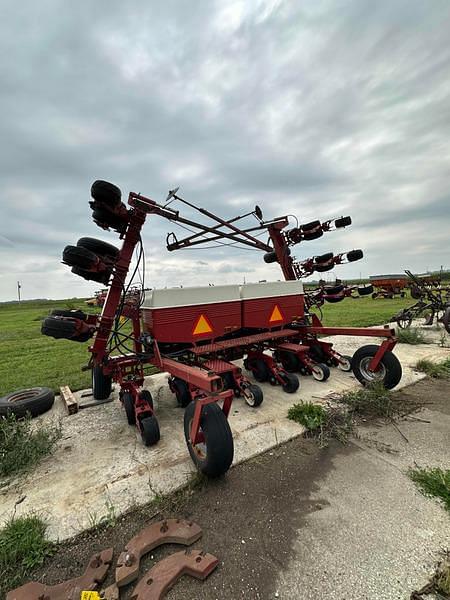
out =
column 31, row 400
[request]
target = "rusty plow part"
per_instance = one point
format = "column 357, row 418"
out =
column 94, row 575
column 163, row 576
column 170, row 531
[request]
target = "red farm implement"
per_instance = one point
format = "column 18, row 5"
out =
column 389, row 286
column 197, row 334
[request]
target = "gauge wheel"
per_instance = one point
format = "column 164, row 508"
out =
column 149, row 428
column 389, row 370
column 253, row 395
column 214, row 455
column 320, row 372
column 291, row 383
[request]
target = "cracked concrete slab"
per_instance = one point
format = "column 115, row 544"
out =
column 100, row 468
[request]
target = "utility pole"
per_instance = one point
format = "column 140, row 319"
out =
column 18, row 289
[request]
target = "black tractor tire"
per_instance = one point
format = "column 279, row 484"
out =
column 323, row 258
column 99, row 276
column 213, row 457
column 309, row 226
column 365, row 290
column 333, row 289
column 71, row 314
column 109, row 219
column 308, row 236
column 182, row 392
column 354, row 255
column 106, row 192
column 270, row 257
column 101, row 384
column 291, row 383
column 253, row 395
column 34, row 401
column 99, row 247
column 343, row 222
column 374, row 295
column 321, row 268
column 128, row 404
column 320, row 371
column 75, row 256
column 290, row 362
column 389, row 372
column 149, row 428
column 260, row 371
column 62, row 328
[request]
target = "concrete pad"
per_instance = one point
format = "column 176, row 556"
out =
column 101, row 468
column 373, row 535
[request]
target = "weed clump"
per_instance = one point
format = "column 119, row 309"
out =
column 410, row 336
column 433, row 482
column 22, row 446
column 371, row 401
column 322, row 423
column 439, row 370
column 23, row 546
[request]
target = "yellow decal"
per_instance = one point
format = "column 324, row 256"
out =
column 90, row 596
column 202, row 326
column 276, row 315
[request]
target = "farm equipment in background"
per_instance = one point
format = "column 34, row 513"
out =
column 389, row 286
column 433, row 303
column 196, row 334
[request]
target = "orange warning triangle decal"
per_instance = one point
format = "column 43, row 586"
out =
column 276, row 315
column 202, row 326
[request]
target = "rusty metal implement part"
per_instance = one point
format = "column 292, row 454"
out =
column 162, row 577
column 94, row 575
column 170, row 531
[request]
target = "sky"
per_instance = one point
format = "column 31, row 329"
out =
column 318, row 108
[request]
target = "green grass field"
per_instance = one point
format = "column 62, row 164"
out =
column 28, row 358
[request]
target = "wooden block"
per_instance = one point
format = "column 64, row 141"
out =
column 69, row 399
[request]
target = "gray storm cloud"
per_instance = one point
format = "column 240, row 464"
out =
column 314, row 108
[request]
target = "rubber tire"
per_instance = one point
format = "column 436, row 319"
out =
column 323, row 268
column 334, row 299
column 270, row 257
column 342, row 222
column 101, row 384
column 75, row 256
column 341, row 368
column 128, row 404
column 71, row 314
column 149, row 429
column 389, row 360
column 258, row 396
column 98, row 247
column 429, row 320
column 334, row 289
column 109, row 219
column 41, row 400
column 106, row 192
column 323, row 258
column 354, row 255
column 292, row 383
column 261, row 371
column 100, row 277
column 310, row 225
column 218, row 440
column 374, row 295
column 182, row 393
column 290, row 362
column 313, row 235
column 62, row 329
column 317, row 353
column 365, row 290
column 324, row 369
